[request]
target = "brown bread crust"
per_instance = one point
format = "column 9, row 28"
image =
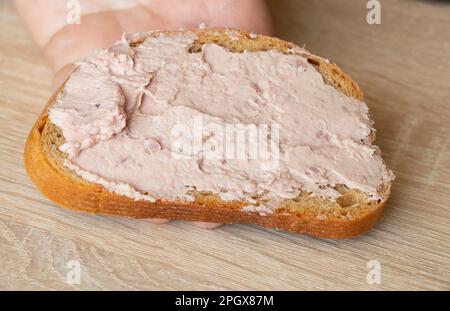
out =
column 350, row 216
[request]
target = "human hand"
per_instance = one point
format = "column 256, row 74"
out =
column 104, row 21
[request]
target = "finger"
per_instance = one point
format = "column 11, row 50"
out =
column 158, row 221
column 250, row 15
column 74, row 42
column 206, row 225
column 61, row 76
column 44, row 18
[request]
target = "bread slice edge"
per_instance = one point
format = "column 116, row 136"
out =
column 70, row 191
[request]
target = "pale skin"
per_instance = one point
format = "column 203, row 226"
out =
column 104, row 21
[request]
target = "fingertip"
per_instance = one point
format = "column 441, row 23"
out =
column 61, row 76
column 206, row 225
column 158, row 221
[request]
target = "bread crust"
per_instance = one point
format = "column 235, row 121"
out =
column 70, row 191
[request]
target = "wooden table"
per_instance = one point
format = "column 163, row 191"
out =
column 403, row 66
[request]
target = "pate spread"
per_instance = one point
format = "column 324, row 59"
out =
column 119, row 109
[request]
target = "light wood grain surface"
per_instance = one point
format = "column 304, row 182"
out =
column 403, row 66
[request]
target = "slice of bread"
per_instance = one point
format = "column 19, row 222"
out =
column 351, row 214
